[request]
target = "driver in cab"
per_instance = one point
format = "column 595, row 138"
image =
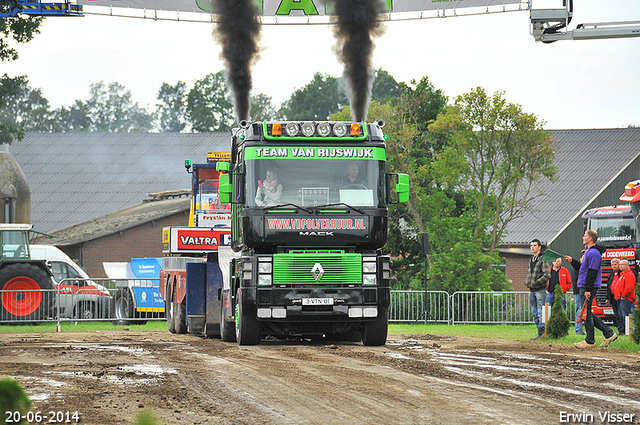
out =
column 270, row 190
column 352, row 179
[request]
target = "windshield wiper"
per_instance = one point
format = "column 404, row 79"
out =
column 307, row 210
column 342, row 204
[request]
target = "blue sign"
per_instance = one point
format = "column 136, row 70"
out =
column 146, row 268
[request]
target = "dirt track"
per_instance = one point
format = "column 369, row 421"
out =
column 184, row 379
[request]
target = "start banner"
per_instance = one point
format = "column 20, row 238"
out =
column 292, row 8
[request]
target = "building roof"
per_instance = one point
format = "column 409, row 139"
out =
column 117, row 221
column 588, row 161
column 77, row 177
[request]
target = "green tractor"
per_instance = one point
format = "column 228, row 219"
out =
column 27, row 291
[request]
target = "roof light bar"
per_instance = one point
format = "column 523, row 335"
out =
column 311, row 129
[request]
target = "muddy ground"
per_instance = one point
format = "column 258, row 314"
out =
column 107, row 377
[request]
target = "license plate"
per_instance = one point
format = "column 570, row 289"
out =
column 317, row 301
column 607, row 311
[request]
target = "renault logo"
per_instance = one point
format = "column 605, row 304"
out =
column 317, row 271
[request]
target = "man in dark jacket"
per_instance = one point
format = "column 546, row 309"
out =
column 537, row 278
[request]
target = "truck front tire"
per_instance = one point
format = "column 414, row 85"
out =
column 248, row 327
column 171, row 324
column 375, row 332
column 180, row 317
column 227, row 329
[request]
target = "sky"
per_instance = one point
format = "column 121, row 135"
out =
column 568, row 84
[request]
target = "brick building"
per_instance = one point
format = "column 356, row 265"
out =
column 135, row 232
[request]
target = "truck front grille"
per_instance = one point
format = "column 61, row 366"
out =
column 317, row 268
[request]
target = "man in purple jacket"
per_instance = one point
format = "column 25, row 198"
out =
column 589, row 280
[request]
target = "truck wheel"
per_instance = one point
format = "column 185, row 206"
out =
column 180, row 317
column 123, row 307
column 375, row 333
column 168, row 305
column 171, row 324
column 227, row 329
column 248, row 329
column 30, row 293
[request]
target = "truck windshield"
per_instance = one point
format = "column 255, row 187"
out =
column 310, row 182
column 615, row 230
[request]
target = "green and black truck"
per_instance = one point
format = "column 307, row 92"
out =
column 309, row 218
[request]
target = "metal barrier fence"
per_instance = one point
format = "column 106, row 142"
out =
column 138, row 301
column 410, row 306
column 124, row 301
column 465, row 307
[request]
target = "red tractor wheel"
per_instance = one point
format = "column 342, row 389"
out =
column 27, row 293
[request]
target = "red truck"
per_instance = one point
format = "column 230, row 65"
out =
column 617, row 228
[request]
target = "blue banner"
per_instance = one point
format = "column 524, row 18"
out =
column 146, row 268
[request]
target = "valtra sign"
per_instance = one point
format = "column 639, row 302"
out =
column 195, row 239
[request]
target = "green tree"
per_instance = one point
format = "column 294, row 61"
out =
column 208, row 105
column 9, row 129
column 496, row 155
column 172, row 109
column 448, row 215
column 21, row 28
column 22, row 109
column 262, row 108
column 75, row 118
column 317, row 100
column 112, row 110
column 385, row 87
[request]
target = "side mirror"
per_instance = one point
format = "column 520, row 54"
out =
column 224, row 187
column 223, row 166
column 402, row 188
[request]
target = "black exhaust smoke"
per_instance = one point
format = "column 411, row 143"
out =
column 358, row 23
column 238, row 32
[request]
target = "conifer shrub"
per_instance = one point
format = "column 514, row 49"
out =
column 558, row 324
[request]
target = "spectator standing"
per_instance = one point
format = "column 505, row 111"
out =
column 612, row 282
column 626, row 289
column 589, row 280
column 536, row 280
column 559, row 275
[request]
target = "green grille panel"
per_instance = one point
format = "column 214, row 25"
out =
column 296, row 268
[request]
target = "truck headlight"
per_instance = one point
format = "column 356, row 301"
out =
column 264, row 280
column 369, row 264
column 369, row 279
column 265, row 270
column 368, row 267
column 264, row 267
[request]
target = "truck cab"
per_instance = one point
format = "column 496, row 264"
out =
column 618, row 233
column 309, row 217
